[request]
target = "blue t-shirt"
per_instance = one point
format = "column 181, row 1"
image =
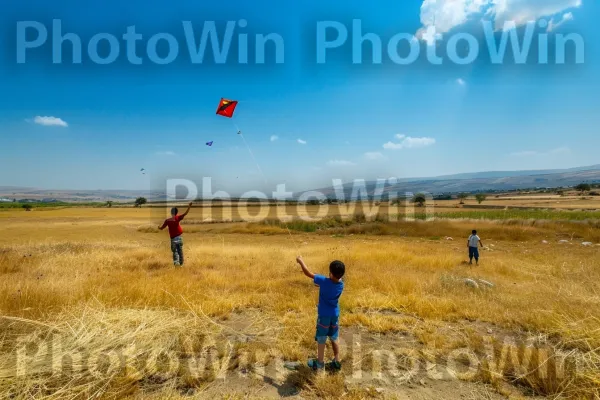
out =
column 329, row 295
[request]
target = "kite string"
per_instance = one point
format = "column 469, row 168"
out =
column 252, row 155
column 293, row 240
column 239, row 131
column 263, row 175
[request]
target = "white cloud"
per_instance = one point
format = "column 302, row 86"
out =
column 441, row 16
column 429, row 35
column 274, row 138
column 165, row 153
column 534, row 153
column 340, row 163
column 301, row 141
column 565, row 18
column 374, row 156
column 523, row 11
column 461, row 82
column 50, row 121
column 560, row 150
column 526, row 153
column 407, row 142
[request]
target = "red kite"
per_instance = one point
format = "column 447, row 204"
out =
column 226, row 108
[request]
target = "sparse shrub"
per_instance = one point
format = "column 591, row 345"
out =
column 419, row 199
column 583, row 187
column 140, row 201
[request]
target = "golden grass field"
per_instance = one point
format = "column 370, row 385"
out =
column 93, row 307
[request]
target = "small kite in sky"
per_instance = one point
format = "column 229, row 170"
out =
column 227, row 108
column 209, row 143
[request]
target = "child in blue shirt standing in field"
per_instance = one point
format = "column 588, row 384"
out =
column 328, row 312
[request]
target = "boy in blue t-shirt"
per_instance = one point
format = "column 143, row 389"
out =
column 328, row 312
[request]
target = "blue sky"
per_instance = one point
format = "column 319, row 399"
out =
column 304, row 123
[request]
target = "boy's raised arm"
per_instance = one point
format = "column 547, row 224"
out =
column 187, row 211
column 309, row 274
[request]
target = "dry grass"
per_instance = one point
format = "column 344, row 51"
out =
column 101, row 281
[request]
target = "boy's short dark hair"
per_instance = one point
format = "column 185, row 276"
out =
column 474, row 232
column 174, row 211
column 337, row 269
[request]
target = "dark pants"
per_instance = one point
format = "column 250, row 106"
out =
column 474, row 252
column 177, row 249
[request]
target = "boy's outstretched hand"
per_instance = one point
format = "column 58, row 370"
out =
column 305, row 270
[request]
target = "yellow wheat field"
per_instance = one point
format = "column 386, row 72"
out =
column 92, row 307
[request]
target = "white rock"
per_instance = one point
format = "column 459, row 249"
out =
column 486, row 283
column 380, row 390
column 471, row 283
column 545, row 241
column 587, row 244
column 563, row 241
column 293, row 365
column 449, row 238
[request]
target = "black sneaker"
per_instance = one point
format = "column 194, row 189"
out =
column 315, row 364
column 335, row 365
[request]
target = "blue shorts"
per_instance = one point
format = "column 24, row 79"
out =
column 327, row 327
column 474, row 252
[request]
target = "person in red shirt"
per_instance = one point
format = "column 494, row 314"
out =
column 175, row 232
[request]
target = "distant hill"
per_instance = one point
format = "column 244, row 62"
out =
column 479, row 182
column 448, row 184
column 509, row 174
column 51, row 195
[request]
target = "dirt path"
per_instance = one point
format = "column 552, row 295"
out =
column 389, row 366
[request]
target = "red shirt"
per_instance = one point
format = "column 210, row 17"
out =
column 174, row 227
